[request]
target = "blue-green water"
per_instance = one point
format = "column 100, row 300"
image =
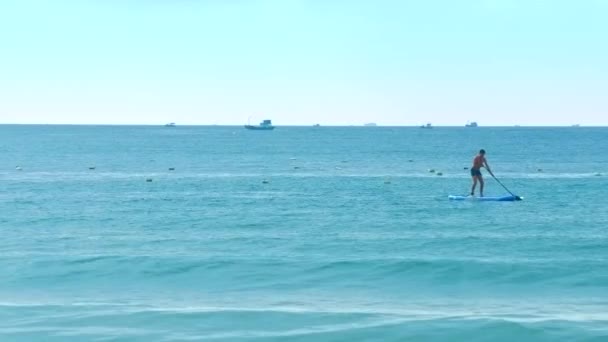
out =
column 301, row 234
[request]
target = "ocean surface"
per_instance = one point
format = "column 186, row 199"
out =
column 301, row 234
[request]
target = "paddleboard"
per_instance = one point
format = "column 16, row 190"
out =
column 505, row 198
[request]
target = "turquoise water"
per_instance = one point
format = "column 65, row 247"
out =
column 301, row 234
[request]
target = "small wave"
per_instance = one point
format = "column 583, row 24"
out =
column 506, row 310
column 279, row 274
column 52, row 177
column 88, row 260
column 459, row 320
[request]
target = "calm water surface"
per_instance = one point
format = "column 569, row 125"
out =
column 301, row 234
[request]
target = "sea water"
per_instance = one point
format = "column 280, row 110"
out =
column 138, row 233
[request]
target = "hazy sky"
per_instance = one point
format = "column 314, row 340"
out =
column 393, row 62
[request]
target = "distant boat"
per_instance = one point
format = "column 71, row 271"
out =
column 371, row 124
column 265, row 125
column 170, row 124
column 576, row 125
column 428, row 125
column 471, row 124
column 316, row 125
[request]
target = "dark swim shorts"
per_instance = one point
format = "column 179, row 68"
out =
column 475, row 172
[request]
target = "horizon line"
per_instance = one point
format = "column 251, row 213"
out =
column 365, row 125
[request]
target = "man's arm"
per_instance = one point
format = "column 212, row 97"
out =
column 485, row 162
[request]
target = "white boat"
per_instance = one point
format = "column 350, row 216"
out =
column 170, row 124
column 428, row 125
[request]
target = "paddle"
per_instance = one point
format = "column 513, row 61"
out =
column 517, row 198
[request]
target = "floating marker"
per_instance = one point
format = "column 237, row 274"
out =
column 432, row 170
column 149, row 180
column 171, row 169
column 439, row 173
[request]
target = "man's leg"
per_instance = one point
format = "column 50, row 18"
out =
column 474, row 185
column 480, row 186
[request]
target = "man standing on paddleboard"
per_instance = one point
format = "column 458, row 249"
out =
column 478, row 162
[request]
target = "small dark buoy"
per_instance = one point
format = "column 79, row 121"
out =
column 411, row 160
column 18, row 168
column 439, row 173
column 296, row 167
column 432, row 170
column 171, row 169
column 92, row 168
column 149, row 180
column 540, row 170
column 265, row 181
column 466, row 168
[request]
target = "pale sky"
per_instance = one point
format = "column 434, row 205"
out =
column 333, row 62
